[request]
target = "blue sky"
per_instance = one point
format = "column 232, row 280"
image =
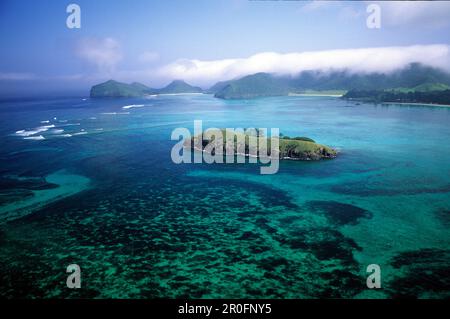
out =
column 151, row 41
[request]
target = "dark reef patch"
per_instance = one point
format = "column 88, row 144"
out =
column 167, row 241
column 248, row 235
column 325, row 244
column 32, row 183
column 130, row 237
column 428, row 255
column 339, row 213
column 271, row 263
column 15, row 189
column 421, row 272
column 290, row 219
column 263, row 224
column 340, row 282
column 444, row 216
column 13, row 195
column 2, row 237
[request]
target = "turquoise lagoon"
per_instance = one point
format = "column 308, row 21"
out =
column 90, row 182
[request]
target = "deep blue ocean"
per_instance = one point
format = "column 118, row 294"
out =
column 91, row 182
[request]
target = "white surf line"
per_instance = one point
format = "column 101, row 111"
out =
column 126, row 107
column 35, row 138
column 25, row 133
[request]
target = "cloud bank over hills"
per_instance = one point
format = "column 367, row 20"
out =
column 365, row 60
column 106, row 54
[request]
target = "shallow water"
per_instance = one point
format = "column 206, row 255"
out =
column 104, row 194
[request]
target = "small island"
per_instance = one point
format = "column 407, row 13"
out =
column 245, row 144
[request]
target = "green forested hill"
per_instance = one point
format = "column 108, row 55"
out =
column 416, row 77
column 113, row 88
column 179, row 86
column 379, row 96
column 260, row 84
column 416, row 80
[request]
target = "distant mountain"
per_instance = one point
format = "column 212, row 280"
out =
column 256, row 85
column 113, row 88
column 142, row 87
column 179, row 86
column 414, row 78
column 264, row 84
column 218, row 86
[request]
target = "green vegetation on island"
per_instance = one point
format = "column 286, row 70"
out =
column 217, row 87
column 415, row 83
column 179, row 86
column 400, row 96
column 251, row 86
column 113, row 88
column 415, row 77
column 425, row 87
column 429, row 93
column 248, row 143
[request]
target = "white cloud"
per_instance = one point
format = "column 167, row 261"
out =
column 104, row 53
column 17, row 76
column 382, row 60
column 148, row 57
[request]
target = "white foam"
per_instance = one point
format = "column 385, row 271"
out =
column 80, row 133
column 70, row 124
column 116, row 113
column 132, row 106
column 34, row 131
column 36, row 138
column 45, row 122
column 57, row 131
